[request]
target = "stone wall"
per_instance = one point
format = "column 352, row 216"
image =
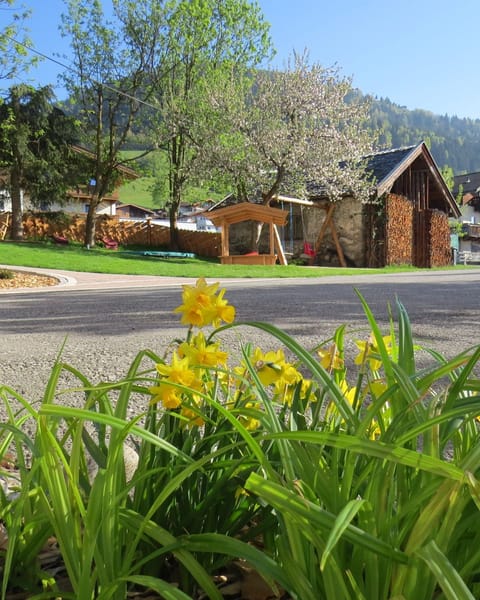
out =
column 348, row 218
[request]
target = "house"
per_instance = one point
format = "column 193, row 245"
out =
column 406, row 220
column 78, row 199
column 466, row 188
column 133, row 211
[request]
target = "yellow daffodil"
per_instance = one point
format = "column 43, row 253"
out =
column 368, row 349
column 248, row 421
column 200, row 353
column 273, row 370
column 193, row 416
column 179, row 372
column 224, row 312
column 270, row 366
column 330, row 358
column 377, row 387
column 348, row 392
column 307, row 390
column 201, row 306
column 285, row 390
column 197, row 307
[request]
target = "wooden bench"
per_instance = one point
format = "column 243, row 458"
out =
column 467, row 256
column 252, row 258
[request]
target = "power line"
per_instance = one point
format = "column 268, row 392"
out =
column 72, row 70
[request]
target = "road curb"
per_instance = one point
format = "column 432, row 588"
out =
column 63, row 280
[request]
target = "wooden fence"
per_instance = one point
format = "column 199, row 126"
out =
column 126, row 233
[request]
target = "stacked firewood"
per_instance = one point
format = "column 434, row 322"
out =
column 399, row 230
column 125, row 233
column 439, row 235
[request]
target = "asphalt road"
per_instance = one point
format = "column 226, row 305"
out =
column 102, row 325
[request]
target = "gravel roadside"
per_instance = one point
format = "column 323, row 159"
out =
column 102, row 328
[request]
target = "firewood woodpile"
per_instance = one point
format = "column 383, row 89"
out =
column 399, row 230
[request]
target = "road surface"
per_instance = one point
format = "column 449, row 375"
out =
column 103, row 322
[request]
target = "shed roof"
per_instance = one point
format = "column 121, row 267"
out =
column 247, row 211
column 381, row 164
column 387, row 166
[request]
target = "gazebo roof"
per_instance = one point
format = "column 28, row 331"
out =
column 247, row 211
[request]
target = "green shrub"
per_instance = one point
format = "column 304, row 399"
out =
column 330, row 484
column 6, row 274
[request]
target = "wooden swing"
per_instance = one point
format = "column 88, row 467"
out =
column 247, row 211
column 308, row 248
column 329, row 207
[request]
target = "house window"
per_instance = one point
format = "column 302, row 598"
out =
column 85, row 208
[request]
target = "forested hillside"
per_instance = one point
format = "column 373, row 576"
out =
column 453, row 142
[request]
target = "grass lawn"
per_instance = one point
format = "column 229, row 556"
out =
column 75, row 257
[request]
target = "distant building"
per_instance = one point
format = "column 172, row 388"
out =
column 467, row 191
column 134, row 211
column 77, row 200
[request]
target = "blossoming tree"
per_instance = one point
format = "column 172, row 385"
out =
column 283, row 129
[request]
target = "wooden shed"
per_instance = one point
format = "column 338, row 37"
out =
column 405, row 220
column 248, row 211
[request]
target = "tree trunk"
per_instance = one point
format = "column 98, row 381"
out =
column 17, row 209
column 90, row 224
column 16, row 173
column 175, row 199
column 174, row 237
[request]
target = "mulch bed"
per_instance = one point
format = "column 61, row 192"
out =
column 23, row 279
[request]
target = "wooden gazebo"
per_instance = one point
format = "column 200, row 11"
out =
column 247, row 211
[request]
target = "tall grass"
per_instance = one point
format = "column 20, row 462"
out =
column 332, row 483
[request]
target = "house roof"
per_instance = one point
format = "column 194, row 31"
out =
column 142, row 208
column 387, row 166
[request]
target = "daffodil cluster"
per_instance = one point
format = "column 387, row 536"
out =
column 275, row 373
column 203, row 306
column 370, row 383
column 198, row 364
column 187, row 378
column 199, row 367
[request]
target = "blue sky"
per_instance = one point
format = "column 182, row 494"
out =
column 419, row 53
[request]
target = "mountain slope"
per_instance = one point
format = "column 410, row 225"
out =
column 453, row 141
